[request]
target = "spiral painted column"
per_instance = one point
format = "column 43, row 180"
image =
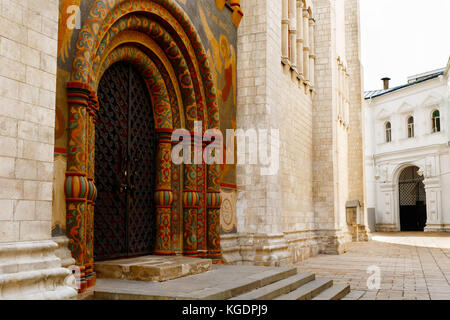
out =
column 213, row 205
column 164, row 194
column 89, row 221
column 77, row 186
column 202, row 225
column 191, row 201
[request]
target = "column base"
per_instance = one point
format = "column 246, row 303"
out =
column 360, row 234
column 63, row 251
column 231, row 249
column 265, row 250
column 32, row 271
column 333, row 242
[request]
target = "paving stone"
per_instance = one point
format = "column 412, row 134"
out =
column 413, row 264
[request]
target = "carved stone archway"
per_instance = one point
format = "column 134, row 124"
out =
column 158, row 38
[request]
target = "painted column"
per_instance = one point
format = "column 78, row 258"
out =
column 176, row 218
column 202, row 213
column 164, row 194
column 190, row 206
column 77, row 184
column 92, row 194
column 213, row 204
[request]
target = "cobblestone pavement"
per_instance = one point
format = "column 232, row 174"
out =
column 413, row 266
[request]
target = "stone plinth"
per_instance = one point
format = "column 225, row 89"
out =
column 32, row 271
column 152, row 268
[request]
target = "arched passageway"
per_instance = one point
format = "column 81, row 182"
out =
column 412, row 200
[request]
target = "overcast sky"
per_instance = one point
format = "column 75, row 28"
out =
column 401, row 38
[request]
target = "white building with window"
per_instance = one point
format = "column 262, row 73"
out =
column 407, row 154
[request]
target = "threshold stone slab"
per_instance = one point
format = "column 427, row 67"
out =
column 152, row 268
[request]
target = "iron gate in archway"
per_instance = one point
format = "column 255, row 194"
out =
column 412, row 199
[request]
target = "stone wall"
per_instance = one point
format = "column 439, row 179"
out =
column 27, row 82
column 275, row 212
column 301, row 210
column 325, row 129
column 28, row 45
column 356, row 137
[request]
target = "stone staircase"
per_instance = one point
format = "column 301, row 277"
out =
column 302, row 286
column 227, row 283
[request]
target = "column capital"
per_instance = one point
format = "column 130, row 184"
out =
column 78, row 93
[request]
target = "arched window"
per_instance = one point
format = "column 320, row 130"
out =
column 388, row 132
column 411, row 127
column 436, row 121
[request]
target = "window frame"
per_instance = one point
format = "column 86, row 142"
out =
column 411, row 127
column 436, row 121
column 388, row 132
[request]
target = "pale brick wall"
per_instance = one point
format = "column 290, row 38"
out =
column 270, row 97
column 278, row 207
column 28, row 47
column 291, row 112
column 324, row 118
column 338, row 159
column 258, row 195
column 356, row 148
column 302, row 208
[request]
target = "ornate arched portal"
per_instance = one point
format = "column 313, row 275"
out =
column 159, row 40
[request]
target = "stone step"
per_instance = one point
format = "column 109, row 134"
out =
column 336, row 292
column 308, row 291
column 278, row 288
column 243, row 286
column 221, row 283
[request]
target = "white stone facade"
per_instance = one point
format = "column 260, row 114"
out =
column 29, row 267
column 429, row 149
column 298, row 71
column 301, row 210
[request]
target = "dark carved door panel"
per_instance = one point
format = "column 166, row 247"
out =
column 124, row 166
